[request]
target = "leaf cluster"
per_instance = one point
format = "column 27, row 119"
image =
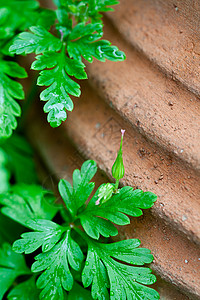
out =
column 71, row 257
column 76, row 36
column 15, row 153
column 86, row 10
column 15, row 16
column 71, row 261
column 21, row 200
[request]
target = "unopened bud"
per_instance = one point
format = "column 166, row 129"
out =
column 118, row 166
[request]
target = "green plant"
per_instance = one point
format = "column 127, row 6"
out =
column 72, row 258
column 15, row 16
column 61, row 39
column 78, row 260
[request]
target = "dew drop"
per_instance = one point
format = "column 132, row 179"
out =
column 89, row 59
column 45, row 247
column 112, row 293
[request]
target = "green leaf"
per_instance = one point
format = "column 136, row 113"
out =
column 95, row 225
column 12, row 265
column 95, row 273
column 4, row 12
column 57, row 276
column 43, row 17
column 79, row 293
column 125, row 201
column 25, row 291
column 129, row 252
column 101, row 6
column 66, row 192
column 59, row 82
column 64, row 22
column 9, row 91
column 84, row 41
column 15, row 15
column 9, row 235
column 39, row 41
column 57, row 67
column 96, row 7
column 87, row 9
column 46, row 234
column 4, row 172
column 25, row 202
column 101, row 271
column 75, row 197
column 18, row 15
column 20, row 154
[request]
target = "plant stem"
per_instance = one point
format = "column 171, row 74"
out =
column 116, row 184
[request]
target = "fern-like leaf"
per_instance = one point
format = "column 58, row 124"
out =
column 24, row 202
column 84, row 41
column 9, row 91
column 62, row 59
column 86, row 10
column 39, row 41
column 74, row 197
column 59, row 82
column 18, row 15
column 55, row 263
column 98, row 219
column 46, row 234
column 102, row 271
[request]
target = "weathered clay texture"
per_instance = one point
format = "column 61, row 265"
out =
column 162, row 109
column 168, row 32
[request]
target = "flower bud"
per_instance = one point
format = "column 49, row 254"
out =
column 118, row 166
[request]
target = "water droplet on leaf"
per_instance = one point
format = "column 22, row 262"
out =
column 112, row 293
